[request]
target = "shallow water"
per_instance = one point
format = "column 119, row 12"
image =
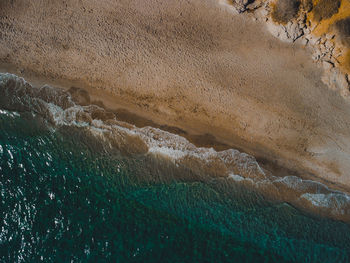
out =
column 72, row 191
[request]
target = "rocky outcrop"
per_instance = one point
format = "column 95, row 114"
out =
column 285, row 23
column 246, row 5
column 241, row 5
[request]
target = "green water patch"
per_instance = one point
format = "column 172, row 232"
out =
column 68, row 197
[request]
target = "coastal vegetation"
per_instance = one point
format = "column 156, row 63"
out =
column 343, row 28
column 326, row 9
column 285, row 10
column 308, row 5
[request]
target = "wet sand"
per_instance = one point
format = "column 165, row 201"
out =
column 129, row 115
column 194, row 65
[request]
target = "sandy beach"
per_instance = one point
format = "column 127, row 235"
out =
column 192, row 67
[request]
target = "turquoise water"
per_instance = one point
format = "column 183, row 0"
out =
column 68, row 196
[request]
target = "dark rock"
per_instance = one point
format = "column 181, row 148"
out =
column 241, row 5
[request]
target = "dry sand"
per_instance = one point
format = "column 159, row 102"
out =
column 191, row 64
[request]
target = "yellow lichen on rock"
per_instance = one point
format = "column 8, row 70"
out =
column 323, row 24
column 345, row 61
column 324, row 9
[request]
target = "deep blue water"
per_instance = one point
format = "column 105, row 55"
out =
column 67, row 196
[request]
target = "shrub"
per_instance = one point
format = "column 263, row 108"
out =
column 343, row 28
column 285, row 10
column 308, row 5
column 326, row 9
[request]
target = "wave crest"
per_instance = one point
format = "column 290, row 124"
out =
column 58, row 108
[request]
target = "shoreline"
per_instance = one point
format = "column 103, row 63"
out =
column 138, row 126
column 128, row 114
column 193, row 65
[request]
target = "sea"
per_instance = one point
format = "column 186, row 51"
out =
column 79, row 185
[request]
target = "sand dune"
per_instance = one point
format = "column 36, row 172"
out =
column 191, row 64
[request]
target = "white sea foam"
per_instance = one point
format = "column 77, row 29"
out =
column 238, row 167
column 11, row 114
column 335, row 200
column 236, row 177
column 168, row 152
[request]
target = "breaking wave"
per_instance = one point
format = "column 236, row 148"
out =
column 58, row 108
